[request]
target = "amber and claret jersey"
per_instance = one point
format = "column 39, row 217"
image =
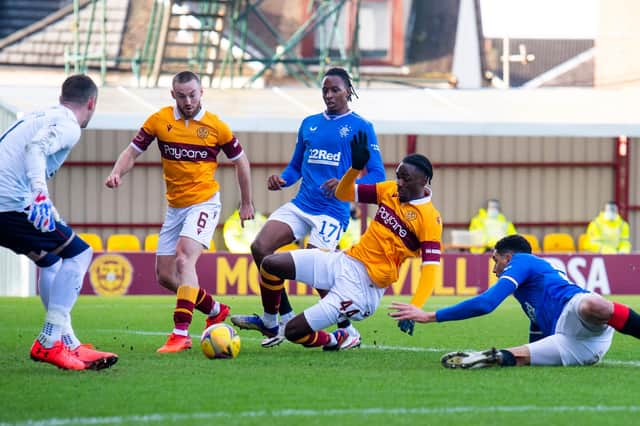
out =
column 398, row 231
column 189, row 149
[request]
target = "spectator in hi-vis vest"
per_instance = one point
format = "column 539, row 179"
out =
column 492, row 225
column 237, row 238
column 608, row 233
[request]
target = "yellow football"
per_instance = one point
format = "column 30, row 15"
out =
column 220, row 341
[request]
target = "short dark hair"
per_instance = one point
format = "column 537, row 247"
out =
column 185, row 77
column 344, row 75
column 513, row 243
column 78, row 88
column 422, row 163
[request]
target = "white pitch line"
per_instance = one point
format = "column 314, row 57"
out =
column 434, row 94
column 137, row 98
column 292, row 100
column 631, row 363
column 257, row 339
column 282, row 413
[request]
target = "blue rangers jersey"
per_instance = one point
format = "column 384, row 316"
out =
column 322, row 152
column 541, row 290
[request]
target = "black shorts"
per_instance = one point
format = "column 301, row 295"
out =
column 44, row 248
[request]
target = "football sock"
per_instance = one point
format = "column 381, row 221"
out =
column 205, row 302
column 215, row 310
column 269, row 320
column 317, row 338
column 271, row 288
column 285, row 318
column 69, row 336
column 68, row 282
column 46, row 277
column 508, row 359
column 183, row 312
column 52, row 329
column 345, row 324
column 62, row 295
column 625, row 320
column 285, row 305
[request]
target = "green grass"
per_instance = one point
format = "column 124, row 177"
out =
column 393, row 379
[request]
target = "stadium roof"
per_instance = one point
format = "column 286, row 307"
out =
column 576, row 112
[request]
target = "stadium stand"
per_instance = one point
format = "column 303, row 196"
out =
column 151, row 242
column 583, row 240
column 45, row 32
column 533, row 240
column 558, row 243
column 20, row 14
column 94, row 240
column 123, row 242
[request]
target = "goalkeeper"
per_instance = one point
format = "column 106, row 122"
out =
column 33, row 149
column 568, row 324
column 406, row 224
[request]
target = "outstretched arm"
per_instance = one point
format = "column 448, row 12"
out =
column 424, row 290
column 428, row 276
column 123, row 165
column 476, row 306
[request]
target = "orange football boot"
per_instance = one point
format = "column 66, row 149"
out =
column 93, row 359
column 175, row 343
column 57, row 355
column 222, row 315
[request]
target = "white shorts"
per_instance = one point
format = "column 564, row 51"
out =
column 324, row 231
column 575, row 341
column 197, row 222
column 352, row 294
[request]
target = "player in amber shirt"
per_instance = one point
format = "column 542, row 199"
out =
column 189, row 139
column 405, row 225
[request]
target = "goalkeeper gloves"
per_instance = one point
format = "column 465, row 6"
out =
column 406, row 325
column 359, row 150
column 41, row 213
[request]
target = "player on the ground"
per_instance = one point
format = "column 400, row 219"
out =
column 31, row 151
column 190, row 139
column 568, row 325
column 406, row 224
column 321, row 157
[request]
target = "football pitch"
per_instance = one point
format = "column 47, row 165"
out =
column 393, row 379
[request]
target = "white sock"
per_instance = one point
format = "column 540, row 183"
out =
column 69, row 337
column 63, row 294
column 351, row 330
column 215, row 310
column 270, row 320
column 46, row 276
column 333, row 340
column 52, row 329
column 284, row 318
column 180, row 332
column 68, row 281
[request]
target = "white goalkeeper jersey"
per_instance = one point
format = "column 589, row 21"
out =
column 53, row 132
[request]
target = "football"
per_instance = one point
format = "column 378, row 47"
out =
column 220, row 341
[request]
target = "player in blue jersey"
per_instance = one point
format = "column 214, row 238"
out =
column 568, row 325
column 322, row 155
column 31, row 151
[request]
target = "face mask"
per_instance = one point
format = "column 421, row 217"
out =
column 492, row 212
column 610, row 212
